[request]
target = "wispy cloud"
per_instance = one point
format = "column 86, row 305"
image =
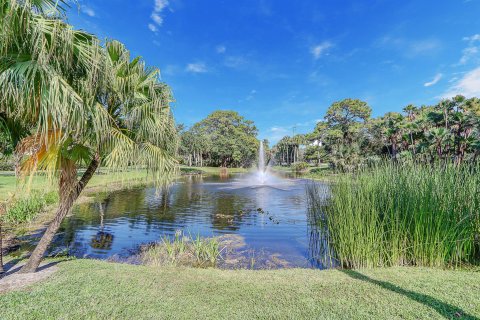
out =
column 88, row 11
column 156, row 15
column 468, row 85
column 321, row 49
column 472, row 50
column 152, row 27
column 235, row 61
column 410, row 48
column 197, row 67
column 424, row 46
column 434, row 81
column 275, row 133
column 221, row 49
column 171, row 70
column 251, row 95
column 475, row 37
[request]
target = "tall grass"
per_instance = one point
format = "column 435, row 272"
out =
column 25, row 209
column 183, row 250
column 403, row 215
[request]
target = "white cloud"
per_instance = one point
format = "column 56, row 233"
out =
column 276, row 133
column 88, row 11
column 468, row 85
column 171, row 70
column 251, row 95
column 410, row 48
column 320, row 49
column 221, row 49
column 156, row 17
column 160, row 5
column 472, row 51
column 424, row 46
column 152, row 27
column 234, row 61
column 434, row 81
column 468, row 54
column 198, row 67
column 475, row 37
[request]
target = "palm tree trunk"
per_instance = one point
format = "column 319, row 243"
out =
column 65, row 206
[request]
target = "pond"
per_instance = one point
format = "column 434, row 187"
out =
column 271, row 221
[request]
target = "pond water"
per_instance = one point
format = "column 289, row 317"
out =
column 271, row 219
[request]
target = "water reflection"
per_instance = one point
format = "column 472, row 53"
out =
column 271, row 220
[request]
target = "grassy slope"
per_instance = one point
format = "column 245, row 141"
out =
column 213, row 170
column 9, row 184
column 100, row 290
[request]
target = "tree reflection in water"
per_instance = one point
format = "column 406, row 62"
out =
column 102, row 240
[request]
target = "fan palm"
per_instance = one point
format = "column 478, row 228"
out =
column 87, row 104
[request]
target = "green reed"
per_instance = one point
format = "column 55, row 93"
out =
column 183, row 250
column 402, row 215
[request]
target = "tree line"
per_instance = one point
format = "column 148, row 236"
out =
column 349, row 138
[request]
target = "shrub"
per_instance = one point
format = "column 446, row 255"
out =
column 300, row 166
column 26, row 209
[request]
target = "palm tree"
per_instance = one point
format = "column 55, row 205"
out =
column 87, row 104
column 438, row 138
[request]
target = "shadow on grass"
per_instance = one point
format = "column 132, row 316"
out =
column 446, row 310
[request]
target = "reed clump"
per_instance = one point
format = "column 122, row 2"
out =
column 183, row 250
column 402, row 215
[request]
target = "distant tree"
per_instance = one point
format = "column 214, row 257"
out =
column 347, row 117
column 225, row 139
column 344, row 133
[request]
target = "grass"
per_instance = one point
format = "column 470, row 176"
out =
column 10, row 185
column 24, row 204
column 182, row 250
column 403, row 215
column 319, row 173
column 212, row 170
column 89, row 289
column 25, row 209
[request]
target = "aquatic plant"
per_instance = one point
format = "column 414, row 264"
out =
column 402, row 215
column 183, row 250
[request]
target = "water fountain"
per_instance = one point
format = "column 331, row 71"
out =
column 262, row 178
column 262, row 170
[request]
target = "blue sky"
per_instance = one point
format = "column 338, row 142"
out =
column 282, row 63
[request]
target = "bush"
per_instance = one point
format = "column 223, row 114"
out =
column 26, row 209
column 6, row 163
column 300, row 166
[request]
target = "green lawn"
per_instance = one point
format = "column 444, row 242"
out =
column 212, row 170
column 88, row 289
column 9, row 184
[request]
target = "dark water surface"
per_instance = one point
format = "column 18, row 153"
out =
column 273, row 219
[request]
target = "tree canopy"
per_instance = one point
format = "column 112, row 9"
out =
column 348, row 138
column 224, row 138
